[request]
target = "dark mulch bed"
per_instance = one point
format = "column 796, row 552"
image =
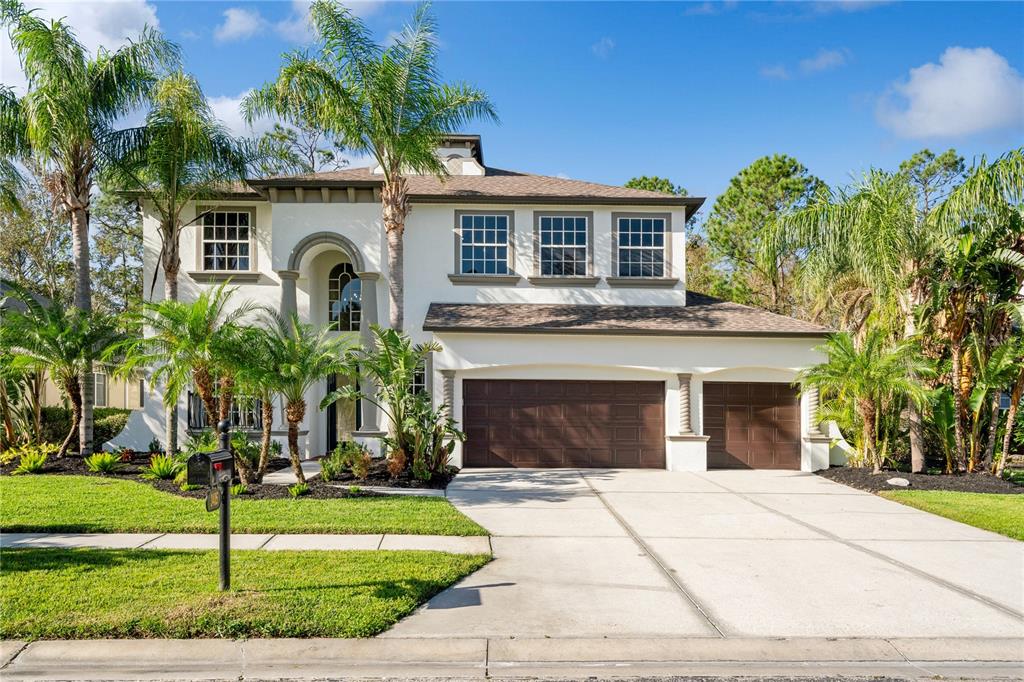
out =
column 347, row 486
column 863, row 479
column 379, row 476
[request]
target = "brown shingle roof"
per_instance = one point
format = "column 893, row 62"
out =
column 701, row 316
column 496, row 185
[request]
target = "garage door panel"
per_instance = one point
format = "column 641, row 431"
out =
column 752, row 425
column 565, row 423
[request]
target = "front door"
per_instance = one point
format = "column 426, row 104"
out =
column 343, row 416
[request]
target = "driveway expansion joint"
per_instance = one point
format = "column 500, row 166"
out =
column 670, row 574
column 934, row 579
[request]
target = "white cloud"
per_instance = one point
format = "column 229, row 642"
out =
column 968, row 91
column 825, row 60
column 775, row 72
column 228, row 110
column 704, row 9
column 109, row 23
column 240, row 24
column 603, row 47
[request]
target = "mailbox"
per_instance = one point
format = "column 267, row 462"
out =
column 210, row 468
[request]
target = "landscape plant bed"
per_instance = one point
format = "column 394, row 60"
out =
column 864, row 479
column 102, row 593
column 345, row 486
column 380, row 477
column 94, row 504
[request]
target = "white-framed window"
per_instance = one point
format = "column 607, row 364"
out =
column 641, row 246
column 484, row 244
column 227, row 241
column 344, row 291
column 563, row 245
column 419, row 379
column 99, row 389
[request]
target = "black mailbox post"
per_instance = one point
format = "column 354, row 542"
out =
column 214, row 471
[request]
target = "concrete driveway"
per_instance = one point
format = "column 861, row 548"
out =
column 719, row 554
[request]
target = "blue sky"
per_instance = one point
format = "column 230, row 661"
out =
column 605, row 91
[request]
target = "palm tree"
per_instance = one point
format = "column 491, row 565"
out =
column 257, row 374
column 386, row 102
column 391, row 364
column 870, row 240
column 303, row 355
column 873, row 377
column 187, row 344
column 13, row 146
column 73, row 100
column 61, row 341
column 181, row 154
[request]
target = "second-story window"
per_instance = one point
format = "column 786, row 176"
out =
column 344, row 292
column 641, row 246
column 226, row 241
column 563, row 245
column 484, row 244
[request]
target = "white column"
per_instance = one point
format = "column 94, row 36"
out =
column 685, row 427
column 289, row 305
column 448, row 395
column 368, row 318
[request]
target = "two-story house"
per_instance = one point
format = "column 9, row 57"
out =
column 569, row 338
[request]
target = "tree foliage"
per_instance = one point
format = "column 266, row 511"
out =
column 654, row 183
column 387, row 102
column 759, row 260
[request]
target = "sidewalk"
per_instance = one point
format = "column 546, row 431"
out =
column 424, row 658
column 441, row 543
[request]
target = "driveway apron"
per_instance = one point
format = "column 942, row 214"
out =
column 724, row 553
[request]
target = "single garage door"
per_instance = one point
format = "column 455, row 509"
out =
column 752, row 425
column 516, row 423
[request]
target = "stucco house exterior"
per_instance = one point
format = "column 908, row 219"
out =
column 569, row 337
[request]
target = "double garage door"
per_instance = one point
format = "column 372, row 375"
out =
column 520, row 423
column 621, row 424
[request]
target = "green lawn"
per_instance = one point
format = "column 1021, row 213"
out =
column 89, row 504
column 1003, row 514
column 92, row 593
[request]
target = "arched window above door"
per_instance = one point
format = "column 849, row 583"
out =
column 343, row 312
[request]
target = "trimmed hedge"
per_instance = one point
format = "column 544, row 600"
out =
column 108, row 422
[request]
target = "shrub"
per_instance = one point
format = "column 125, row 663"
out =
column 354, row 489
column 396, row 462
column 298, row 490
column 155, row 446
column 181, row 478
column 200, row 441
column 126, row 454
column 108, row 422
column 32, row 458
column 348, row 456
column 103, row 462
column 247, row 449
column 162, row 467
column 185, row 487
column 238, row 489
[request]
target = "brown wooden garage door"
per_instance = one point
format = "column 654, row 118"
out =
column 519, row 423
column 752, row 425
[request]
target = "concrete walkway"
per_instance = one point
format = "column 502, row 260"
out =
column 440, row 543
column 310, row 468
column 478, row 658
column 724, row 554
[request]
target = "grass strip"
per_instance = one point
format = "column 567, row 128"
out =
column 101, row 593
column 89, row 504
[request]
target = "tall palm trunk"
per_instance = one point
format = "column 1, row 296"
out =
column 295, row 411
column 225, row 397
column 914, row 421
column 74, row 393
column 267, row 412
column 867, row 416
column 1011, row 418
column 958, row 406
column 171, row 266
column 993, row 433
column 79, row 206
column 394, row 208
column 204, row 387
